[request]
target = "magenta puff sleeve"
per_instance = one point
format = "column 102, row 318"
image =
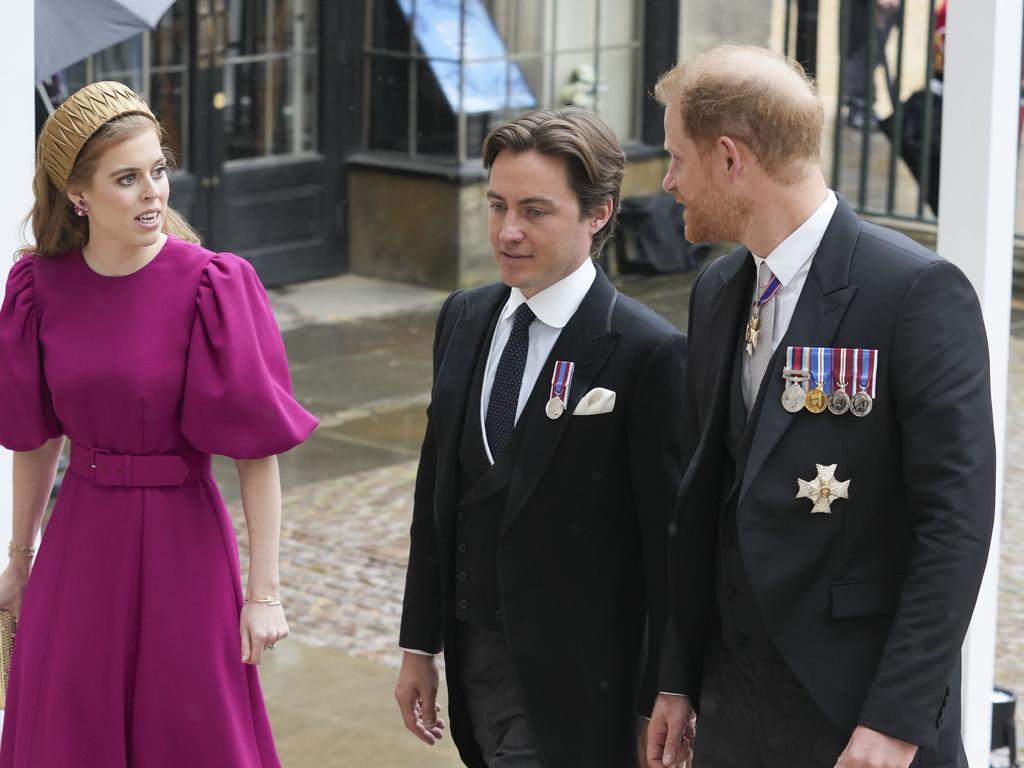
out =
column 27, row 419
column 238, row 394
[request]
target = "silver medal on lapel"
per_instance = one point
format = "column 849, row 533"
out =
column 561, row 380
column 839, row 400
column 863, row 401
column 554, row 408
column 796, row 374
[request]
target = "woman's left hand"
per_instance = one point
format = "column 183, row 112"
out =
column 261, row 627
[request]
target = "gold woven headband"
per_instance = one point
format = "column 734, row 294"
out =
column 78, row 118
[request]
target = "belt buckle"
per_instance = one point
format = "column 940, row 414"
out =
column 97, row 466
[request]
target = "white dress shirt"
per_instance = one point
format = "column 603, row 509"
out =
column 554, row 307
column 791, row 262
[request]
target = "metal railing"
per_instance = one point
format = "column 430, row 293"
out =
column 887, row 168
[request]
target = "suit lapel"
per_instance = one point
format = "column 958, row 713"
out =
column 737, row 405
column 732, row 294
column 587, row 341
column 819, row 312
column 452, row 385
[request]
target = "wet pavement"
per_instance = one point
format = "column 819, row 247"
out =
column 362, row 364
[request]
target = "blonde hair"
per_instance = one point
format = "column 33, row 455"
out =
column 55, row 227
column 751, row 95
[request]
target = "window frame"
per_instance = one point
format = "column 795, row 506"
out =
column 652, row 44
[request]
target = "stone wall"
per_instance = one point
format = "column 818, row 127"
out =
column 404, row 228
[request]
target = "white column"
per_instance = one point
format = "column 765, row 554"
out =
column 17, row 138
column 977, row 201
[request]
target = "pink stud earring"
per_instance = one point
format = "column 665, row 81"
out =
column 81, row 209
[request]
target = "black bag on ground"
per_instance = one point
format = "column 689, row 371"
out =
column 651, row 236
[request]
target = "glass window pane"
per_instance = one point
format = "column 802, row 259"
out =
column 122, row 62
column 618, row 22
column 534, row 71
column 167, row 99
column 436, row 124
column 311, row 19
column 271, row 103
column 521, row 24
column 250, row 27
column 270, row 26
column 388, row 91
column 75, row 77
column 169, row 41
column 307, row 106
column 575, row 22
column 616, row 91
column 389, row 28
column 270, row 108
column 168, row 82
column 492, row 85
column 245, row 123
column 295, row 25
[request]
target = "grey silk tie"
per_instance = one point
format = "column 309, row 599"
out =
column 758, row 362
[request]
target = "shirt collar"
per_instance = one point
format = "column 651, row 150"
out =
column 556, row 304
column 793, row 252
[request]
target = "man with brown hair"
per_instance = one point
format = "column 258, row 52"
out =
column 832, row 529
column 548, row 472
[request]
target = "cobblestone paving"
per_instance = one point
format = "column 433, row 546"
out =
column 344, row 545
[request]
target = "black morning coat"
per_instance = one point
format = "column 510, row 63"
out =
column 582, row 564
column 868, row 605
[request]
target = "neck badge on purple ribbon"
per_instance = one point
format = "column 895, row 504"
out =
column 754, row 323
column 561, row 380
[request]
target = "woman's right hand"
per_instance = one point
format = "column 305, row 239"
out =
column 12, row 588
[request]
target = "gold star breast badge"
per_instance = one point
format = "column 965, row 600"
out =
column 823, row 489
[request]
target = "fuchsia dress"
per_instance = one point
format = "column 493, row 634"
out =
column 128, row 648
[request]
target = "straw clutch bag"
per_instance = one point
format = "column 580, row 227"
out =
column 8, row 624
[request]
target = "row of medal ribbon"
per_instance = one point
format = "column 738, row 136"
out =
column 840, row 380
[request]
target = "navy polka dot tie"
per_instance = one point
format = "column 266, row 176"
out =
column 508, row 379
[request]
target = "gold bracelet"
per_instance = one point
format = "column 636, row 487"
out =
column 264, row 600
column 13, row 549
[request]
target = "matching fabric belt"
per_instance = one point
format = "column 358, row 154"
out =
column 103, row 468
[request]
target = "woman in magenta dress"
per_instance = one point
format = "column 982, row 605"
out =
column 136, row 644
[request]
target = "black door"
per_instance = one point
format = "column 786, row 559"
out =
column 237, row 85
column 262, row 187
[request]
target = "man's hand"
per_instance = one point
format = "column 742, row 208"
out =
column 871, row 749
column 671, row 732
column 416, row 694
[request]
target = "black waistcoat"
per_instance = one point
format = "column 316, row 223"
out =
column 483, row 493
column 743, row 630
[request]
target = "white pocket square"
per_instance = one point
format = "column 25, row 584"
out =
column 596, row 401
